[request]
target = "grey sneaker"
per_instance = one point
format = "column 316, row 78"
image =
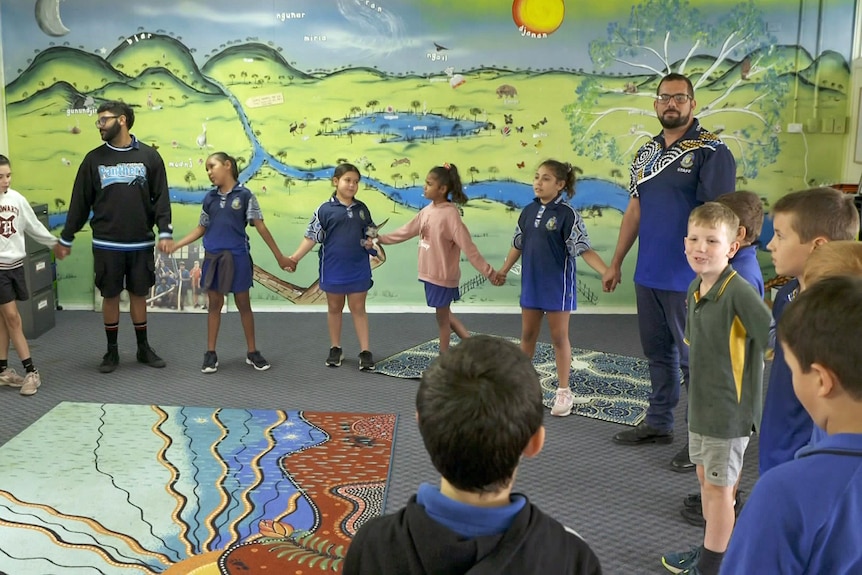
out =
column 366, row 361
column 256, row 359
column 110, row 360
column 10, row 378
column 32, row 381
column 210, row 362
column 335, row 356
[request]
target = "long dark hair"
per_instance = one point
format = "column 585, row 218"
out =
column 225, row 157
column 565, row 172
column 447, row 175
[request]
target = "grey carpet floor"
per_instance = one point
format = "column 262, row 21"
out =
column 623, row 500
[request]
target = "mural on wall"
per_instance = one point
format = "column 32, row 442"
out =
column 292, row 88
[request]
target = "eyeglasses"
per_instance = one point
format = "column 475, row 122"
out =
column 678, row 98
column 103, row 120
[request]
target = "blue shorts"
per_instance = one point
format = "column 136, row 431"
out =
column 439, row 296
column 347, row 289
column 242, row 275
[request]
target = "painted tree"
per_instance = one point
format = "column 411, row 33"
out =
column 664, row 36
column 395, row 178
column 415, row 104
column 288, row 182
column 414, row 176
column 473, row 171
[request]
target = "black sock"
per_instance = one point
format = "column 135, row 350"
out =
column 141, row 333
column 111, row 330
column 4, row 363
column 28, row 365
column 709, row 562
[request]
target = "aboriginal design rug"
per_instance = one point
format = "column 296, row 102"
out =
column 617, row 385
column 144, row 489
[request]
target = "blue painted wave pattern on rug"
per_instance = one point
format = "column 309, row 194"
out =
column 135, row 489
column 618, row 385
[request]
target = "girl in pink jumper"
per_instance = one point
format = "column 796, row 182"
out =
column 442, row 238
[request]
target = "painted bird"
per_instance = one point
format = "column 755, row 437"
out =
column 439, row 47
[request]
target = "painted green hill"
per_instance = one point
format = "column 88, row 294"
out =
column 55, row 64
column 779, row 59
column 252, row 63
column 53, row 98
column 143, row 51
column 830, row 70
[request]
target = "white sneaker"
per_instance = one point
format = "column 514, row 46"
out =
column 563, row 402
column 32, row 381
column 10, row 378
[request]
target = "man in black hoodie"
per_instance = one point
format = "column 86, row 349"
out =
column 479, row 409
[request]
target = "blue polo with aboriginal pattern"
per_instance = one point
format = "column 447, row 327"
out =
column 670, row 183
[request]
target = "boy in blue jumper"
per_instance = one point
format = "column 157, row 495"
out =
column 805, row 516
column 803, row 220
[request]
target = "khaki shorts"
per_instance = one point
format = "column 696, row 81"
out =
column 721, row 459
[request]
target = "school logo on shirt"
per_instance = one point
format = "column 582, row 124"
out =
column 552, row 224
column 687, row 161
column 362, row 215
column 236, row 204
column 7, row 226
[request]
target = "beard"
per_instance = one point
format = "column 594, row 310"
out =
column 109, row 134
column 671, row 122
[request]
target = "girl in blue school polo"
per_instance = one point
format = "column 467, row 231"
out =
column 341, row 227
column 550, row 236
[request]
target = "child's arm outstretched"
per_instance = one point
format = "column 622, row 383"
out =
column 462, row 239
column 192, row 236
column 305, row 246
column 283, row 262
column 595, row 261
column 404, row 233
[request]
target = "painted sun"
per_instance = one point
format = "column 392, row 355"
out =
column 538, row 16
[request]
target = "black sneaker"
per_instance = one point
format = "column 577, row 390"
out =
column 148, row 356
column 335, row 357
column 110, row 360
column 642, row 434
column 210, row 362
column 256, row 359
column 692, row 501
column 366, row 361
column 692, row 510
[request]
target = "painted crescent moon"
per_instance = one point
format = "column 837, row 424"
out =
column 48, row 18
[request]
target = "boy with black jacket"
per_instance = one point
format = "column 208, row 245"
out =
column 479, row 409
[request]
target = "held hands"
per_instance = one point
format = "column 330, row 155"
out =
column 611, row 278
column 61, row 251
column 166, row 245
column 287, row 263
column 497, row 278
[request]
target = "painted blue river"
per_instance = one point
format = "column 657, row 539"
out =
column 591, row 192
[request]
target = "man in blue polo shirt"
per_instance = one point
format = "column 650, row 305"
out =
column 679, row 169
